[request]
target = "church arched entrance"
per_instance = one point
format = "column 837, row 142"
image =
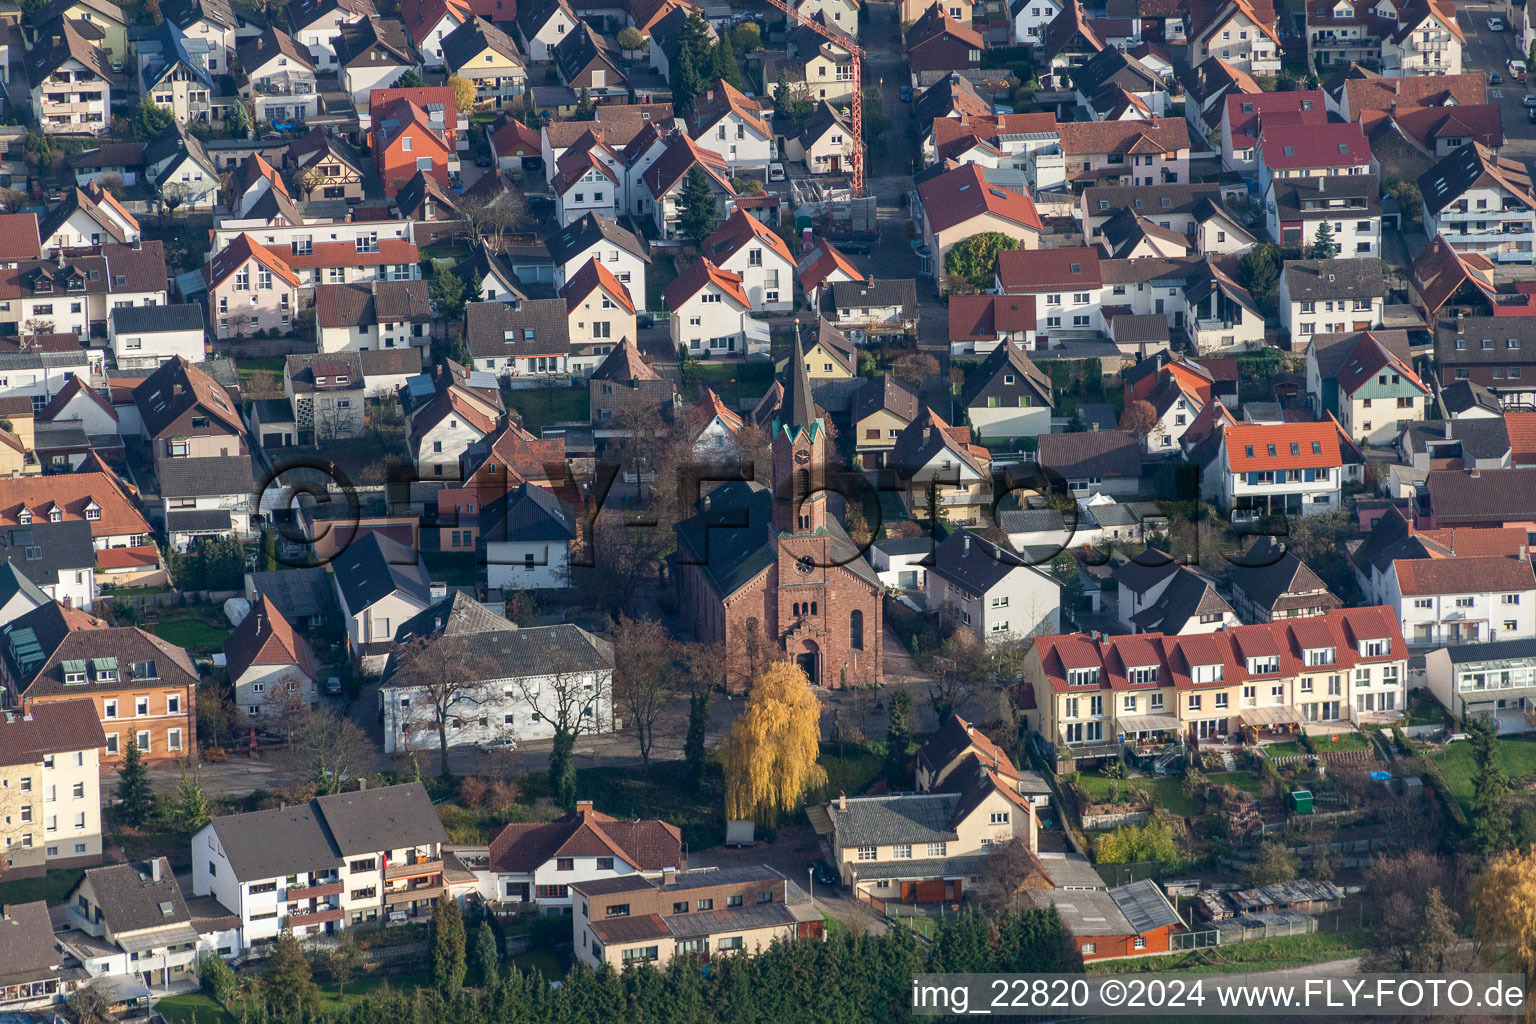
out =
column 809, row 660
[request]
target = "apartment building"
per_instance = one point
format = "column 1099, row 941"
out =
column 1480, row 203
column 50, row 792
column 319, row 867
column 1283, row 468
column 1327, row 672
column 1463, row 600
column 632, row 919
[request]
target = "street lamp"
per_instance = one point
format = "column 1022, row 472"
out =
column 810, row 876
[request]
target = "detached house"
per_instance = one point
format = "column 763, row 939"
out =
column 541, row 25
column 372, row 54
column 1480, row 203
column 933, row 462
column 380, row 583
column 664, row 180
column 991, row 591
column 1094, row 462
column 747, row 247
column 1240, row 32
column 529, row 343
column 72, row 81
column 938, row 44
column 729, row 124
column 599, row 238
column 1065, row 284
column 1289, row 468
column 250, row 289
column 982, row 323
column 1272, row 585
column 1008, row 396
column 1349, row 204
column 1244, row 117
column 270, row 665
column 1331, row 296
column 600, row 313
column 406, row 142
column 279, row 78
column 1427, row 41
column 1370, row 387
column 591, row 62
column 1151, row 152
column 50, row 760
column 1312, row 150
column 539, row 862
column 317, row 23
column 485, row 55
column 429, row 22
column 712, row 313
column 960, row 203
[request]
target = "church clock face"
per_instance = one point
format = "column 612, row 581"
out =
column 802, row 457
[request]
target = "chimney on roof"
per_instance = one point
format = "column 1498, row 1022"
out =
column 965, row 545
column 1446, row 427
column 154, row 868
column 842, row 800
column 583, row 806
column 362, row 784
column 669, row 876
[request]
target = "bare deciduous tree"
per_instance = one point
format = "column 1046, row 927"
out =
column 645, row 677
column 330, row 751
column 451, row 680
column 486, row 219
column 571, row 700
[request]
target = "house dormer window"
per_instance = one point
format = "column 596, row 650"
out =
column 55, row 516
column 1320, row 656
column 1082, row 677
column 25, row 516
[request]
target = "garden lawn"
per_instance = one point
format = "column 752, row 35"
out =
column 1517, row 753
column 1347, row 741
column 193, row 1006
column 1242, row 957
column 543, row 407
column 732, row 381
column 52, row 887
column 542, row 961
column 1242, row 780
column 1285, row 749
column 195, row 634
column 1166, row 792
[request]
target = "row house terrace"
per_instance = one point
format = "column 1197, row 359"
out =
column 1245, row 116
column 1092, row 693
column 337, row 252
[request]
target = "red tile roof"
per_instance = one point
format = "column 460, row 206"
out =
column 648, row 845
column 421, row 16
column 594, row 275
column 264, row 637
column 1521, row 427
column 242, row 249
column 1159, row 135
column 18, row 237
column 739, row 229
column 952, row 198
column 72, row 492
column 1289, row 147
column 1439, row 270
column 1369, row 358
column 826, row 260
column 696, row 276
column 1420, row 577
column 1402, row 94
column 345, row 254
column 141, row 556
column 1245, row 111
column 983, row 317
column 1043, row 270
column 1296, row 446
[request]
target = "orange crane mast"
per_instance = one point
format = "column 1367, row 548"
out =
column 857, row 53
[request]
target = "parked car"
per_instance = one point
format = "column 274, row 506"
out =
column 906, row 94
column 540, row 206
column 775, row 171
column 823, row 873
column 483, row 160
column 853, row 248
column 1493, row 78
column 1495, row 24
column 1528, row 100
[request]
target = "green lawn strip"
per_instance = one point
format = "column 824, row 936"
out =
column 1517, row 754
column 1242, row 780
column 1245, row 957
column 52, row 887
column 543, row 407
column 834, row 926
column 1346, row 741
column 1166, row 792
column 194, row 634
column 543, row 961
column 193, row 1006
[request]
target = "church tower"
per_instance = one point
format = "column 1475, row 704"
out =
column 799, row 456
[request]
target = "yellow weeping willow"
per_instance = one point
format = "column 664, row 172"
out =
column 1504, row 910
column 770, row 753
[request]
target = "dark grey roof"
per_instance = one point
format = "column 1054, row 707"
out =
column 198, row 520
column 733, row 541
column 1480, row 437
column 1291, row 193
column 1141, row 576
column 370, row 820
column 1470, row 165
column 41, row 550
column 132, row 900
column 1265, row 579
column 276, row 843
column 1499, row 331
column 874, row 293
column 13, row 581
column 1459, row 497
column 1100, row 453
column 704, row 878
column 1332, row 350
column 1134, row 328
column 1114, row 514
column 714, row 922
column 458, row 614
column 205, row 476
column 1144, row 905
column 1464, row 396
column 885, row 391
column 528, row 513
column 134, row 319
column 904, row 545
column 1335, row 279
column 1154, row 199
column 976, row 565
column 901, row 818
column 521, row 653
column 1511, row 650
column 495, row 329
column 474, row 36
column 299, row 593
column 1032, row 520
column 376, row 566
column 27, row 950
column 576, row 237
column 1187, row 596
column 991, row 379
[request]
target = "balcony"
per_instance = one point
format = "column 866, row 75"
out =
column 318, row 917
column 287, row 89
column 401, row 896
column 313, row 892
column 418, row 870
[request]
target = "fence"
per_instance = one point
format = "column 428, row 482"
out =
column 1096, row 821
column 263, row 347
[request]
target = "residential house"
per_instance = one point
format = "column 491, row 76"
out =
column 1028, row 20
column 933, row 463
column 882, row 408
column 1165, row 597
column 405, row 143
column 541, row 25
column 380, row 583
column 1244, row 116
column 824, row 66
column 599, row 312
column 279, row 78
column 250, row 289
column 50, row 762
column 485, row 55
column 1480, row 203
column 712, row 313
column 1466, row 599
column 1370, row 388
column 1008, row 396
column 92, row 494
column 101, row 20
column 1065, row 283
column 1498, row 353
column 429, row 22
column 594, row 237
column 271, row 667
column 1195, row 213
column 1350, row 204
column 34, row 960
column 1353, row 291
column 1240, row 32
column 371, row 54
column 514, row 145
column 520, row 676
column 1151, row 152
column 1329, row 673
column 623, row 388
column 589, row 178
column 747, row 247
column 821, row 267
column 527, row 535
column 1428, row 41
column 825, row 143
column 1288, row 151
column 827, row 352
column 442, row 428
column 325, row 393
column 180, row 170
column 1491, row 680
column 874, row 308
column 844, row 14
column 981, row 323
column 174, row 75
column 142, row 686
column 731, row 125
column 1095, row 462
column 960, row 203
column 538, row 862
column 363, row 857
column 990, row 590
column 1219, row 313
column 18, row 594
column 1112, row 86
column 937, row 44
column 86, row 218
column 213, row 22
column 317, row 23
column 1408, row 143
column 325, row 167
column 529, row 343
column 923, row 847
column 666, row 177
column 72, row 81
column 197, row 441
column 662, row 929
column 591, row 62
column 1270, row 584
column 379, row 315
column 1207, row 87
column 1288, row 468
column 1069, row 39
column 142, row 337
column 1363, row 96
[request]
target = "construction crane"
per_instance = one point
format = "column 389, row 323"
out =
column 856, row 52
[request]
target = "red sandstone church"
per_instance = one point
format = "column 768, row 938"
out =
column 774, row 563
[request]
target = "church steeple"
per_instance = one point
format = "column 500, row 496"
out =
column 799, row 455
